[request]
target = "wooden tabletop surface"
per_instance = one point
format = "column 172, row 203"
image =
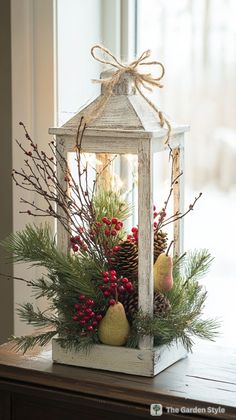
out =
column 206, row 378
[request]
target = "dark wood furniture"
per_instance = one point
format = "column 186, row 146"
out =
column 33, row 388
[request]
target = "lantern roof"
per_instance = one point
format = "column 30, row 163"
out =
column 124, row 111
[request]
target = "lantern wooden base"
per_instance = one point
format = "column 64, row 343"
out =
column 121, row 359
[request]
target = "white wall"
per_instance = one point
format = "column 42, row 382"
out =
column 33, row 103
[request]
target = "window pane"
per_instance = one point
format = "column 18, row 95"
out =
column 196, row 42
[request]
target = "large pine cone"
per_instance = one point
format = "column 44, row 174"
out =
column 125, row 261
column 161, row 305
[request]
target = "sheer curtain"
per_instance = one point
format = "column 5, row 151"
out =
column 196, row 42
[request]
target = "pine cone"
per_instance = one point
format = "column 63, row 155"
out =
column 160, row 243
column 161, row 305
column 125, row 261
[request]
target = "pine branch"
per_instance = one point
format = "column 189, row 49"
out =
column 197, row 265
column 36, row 317
column 24, row 343
column 37, row 246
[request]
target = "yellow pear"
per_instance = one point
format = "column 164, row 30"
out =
column 114, row 327
column 162, row 273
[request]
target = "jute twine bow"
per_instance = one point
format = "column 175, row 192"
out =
column 141, row 80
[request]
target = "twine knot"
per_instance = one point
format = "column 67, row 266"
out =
column 141, row 80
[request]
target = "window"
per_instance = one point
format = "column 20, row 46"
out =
column 196, row 43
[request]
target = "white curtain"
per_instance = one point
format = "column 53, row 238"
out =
column 196, row 41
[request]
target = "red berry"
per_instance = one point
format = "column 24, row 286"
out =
column 82, row 322
column 106, row 280
column 94, row 323
column 116, row 248
column 82, row 297
column 154, row 208
column 107, row 293
column 106, row 221
column 75, row 318
column 86, row 318
column 112, row 302
column 88, row 310
column 121, row 289
column 114, row 221
column 155, row 214
column 105, row 274
column 72, row 239
column 121, row 224
column 113, row 272
column 99, row 318
column 118, row 226
column 128, row 286
column 134, row 229
column 113, row 285
column 77, row 306
column 80, row 313
column 113, row 278
column 155, row 224
column 92, row 314
column 75, row 248
column 125, row 280
column 113, row 232
column 107, row 232
column 90, row 302
column 89, row 328
column 102, row 287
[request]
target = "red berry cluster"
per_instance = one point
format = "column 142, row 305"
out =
column 134, row 236
column 112, row 286
column 112, row 226
column 161, row 214
column 77, row 244
column 86, row 316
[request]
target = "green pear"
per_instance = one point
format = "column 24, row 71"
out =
column 114, row 327
column 162, row 273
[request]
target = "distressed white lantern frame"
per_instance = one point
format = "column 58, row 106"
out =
column 128, row 125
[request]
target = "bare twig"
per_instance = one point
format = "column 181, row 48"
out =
column 191, row 207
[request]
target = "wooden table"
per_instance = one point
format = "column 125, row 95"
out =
column 33, row 388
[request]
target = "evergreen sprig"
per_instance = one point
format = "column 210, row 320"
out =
column 27, row 342
column 37, row 245
column 110, row 204
column 187, row 299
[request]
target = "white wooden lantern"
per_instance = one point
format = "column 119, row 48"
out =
column 128, row 125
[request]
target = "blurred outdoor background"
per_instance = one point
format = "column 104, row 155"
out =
column 196, row 42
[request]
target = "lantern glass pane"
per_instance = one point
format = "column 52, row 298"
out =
column 114, row 172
